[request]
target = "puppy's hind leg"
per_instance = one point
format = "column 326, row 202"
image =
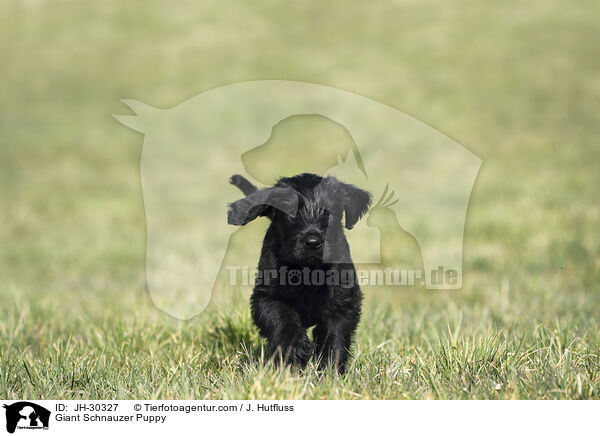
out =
column 243, row 184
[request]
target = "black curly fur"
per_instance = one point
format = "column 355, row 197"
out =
column 309, row 213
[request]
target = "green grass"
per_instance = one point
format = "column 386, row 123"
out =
column 429, row 349
column 516, row 83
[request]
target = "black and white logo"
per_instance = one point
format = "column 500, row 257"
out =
column 26, row 415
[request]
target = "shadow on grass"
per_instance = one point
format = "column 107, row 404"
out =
column 234, row 340
column 235, row 336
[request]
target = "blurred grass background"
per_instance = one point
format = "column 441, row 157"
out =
column 517, row 83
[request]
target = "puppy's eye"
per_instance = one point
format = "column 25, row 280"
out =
column 325, row 212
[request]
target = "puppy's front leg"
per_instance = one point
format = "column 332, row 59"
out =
column 333, row 336
column 281, row 325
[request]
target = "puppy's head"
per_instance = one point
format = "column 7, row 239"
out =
column 306, row 213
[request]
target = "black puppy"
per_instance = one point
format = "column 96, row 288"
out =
column 305, row 275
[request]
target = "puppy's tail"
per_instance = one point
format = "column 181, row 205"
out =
column 243, row 184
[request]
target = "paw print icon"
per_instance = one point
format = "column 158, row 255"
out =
column 294, row 277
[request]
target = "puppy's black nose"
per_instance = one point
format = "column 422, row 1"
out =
column 312, row 241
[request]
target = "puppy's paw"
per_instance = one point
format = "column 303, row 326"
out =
column 297, row 351
column 333, row 358
column 301, row 351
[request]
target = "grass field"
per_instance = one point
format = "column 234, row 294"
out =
column 517, row 83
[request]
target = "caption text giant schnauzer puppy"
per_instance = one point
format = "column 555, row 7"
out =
column 305, row 275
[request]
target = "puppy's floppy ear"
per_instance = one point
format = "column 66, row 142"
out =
column 355, row 203
column 261, row 203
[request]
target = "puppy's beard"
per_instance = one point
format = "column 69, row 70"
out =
column 313, row 259
column 308, row 257
column 298, row 255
